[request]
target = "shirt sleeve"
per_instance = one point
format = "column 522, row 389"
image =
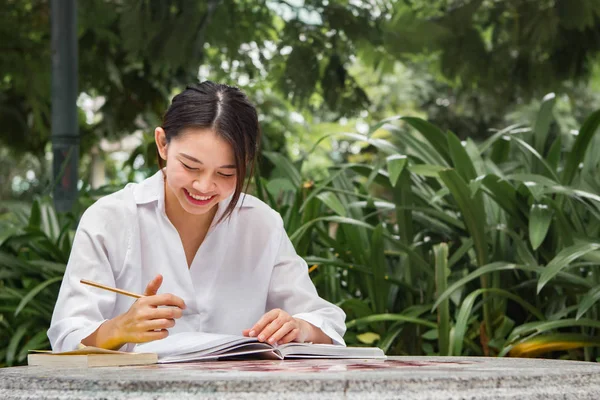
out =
column 100, row 242
column 292, row 290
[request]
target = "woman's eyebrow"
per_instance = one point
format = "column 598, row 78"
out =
column 194, row 159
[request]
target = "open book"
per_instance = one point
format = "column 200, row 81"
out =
column 89, row 356
column 196, row 346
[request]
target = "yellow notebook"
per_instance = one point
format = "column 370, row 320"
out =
column 89, row 356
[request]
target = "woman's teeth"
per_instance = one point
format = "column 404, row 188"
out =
column 201, row 198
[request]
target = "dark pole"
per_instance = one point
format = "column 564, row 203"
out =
column 65, row 133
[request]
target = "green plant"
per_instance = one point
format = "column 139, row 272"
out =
column 432, row 246
column 446, row 247
column 34, row 248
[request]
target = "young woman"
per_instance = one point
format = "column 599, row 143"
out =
column 189, row 239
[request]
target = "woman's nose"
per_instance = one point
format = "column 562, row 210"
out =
column 203, row 184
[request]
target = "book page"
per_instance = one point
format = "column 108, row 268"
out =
column 188, row 343
column 309, row 350
column 256, row 350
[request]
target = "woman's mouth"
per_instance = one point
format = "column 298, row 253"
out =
column 198, row 200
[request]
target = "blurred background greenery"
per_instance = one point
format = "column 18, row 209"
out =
column 435, row 162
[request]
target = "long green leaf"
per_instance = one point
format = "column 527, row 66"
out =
column 390, row 336
column 11, row 349
column 577, row 153
column 322, row 186
column 34, row 292
column 420, row 149
column 333, row 202
column 535, row 328
column 311, row 260
column 432, row 133
column 441, row 282
column 504, row 266
column 509, row 130
column 504, row 194
column 37, row 342
column 382, row 123
column 464, row 313
column 286, row 166
column 563, row 259
column 472, row 211
column 537, row 156
column 460, row 159
column 588, row 301
column 539, row 222
column 389, row 317
column 378, row 265
column 35, row 217
column 382, row 144
column 543, row 121
column 395, row 165
column 427, row 170
column 341, row 220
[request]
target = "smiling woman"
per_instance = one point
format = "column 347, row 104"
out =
column 221, row 259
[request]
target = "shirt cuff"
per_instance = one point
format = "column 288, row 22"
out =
column 73, row 340
column 320, row 323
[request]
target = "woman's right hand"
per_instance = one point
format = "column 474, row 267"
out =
column 145, row 320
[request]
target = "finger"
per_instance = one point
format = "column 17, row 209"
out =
column 285, row 329
column 246, row 332
column 162, row 312
column 290, row 337
column 273, row 327
column 165, row 299
column 153, row 285
column 157, row 324
column 150, row 336
column 263, row 322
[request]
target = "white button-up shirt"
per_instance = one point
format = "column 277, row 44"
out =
column 245, row 267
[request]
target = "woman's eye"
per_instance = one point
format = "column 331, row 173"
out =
column 226, row 175
column 188, row 167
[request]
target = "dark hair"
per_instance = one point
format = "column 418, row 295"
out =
column 227, row 111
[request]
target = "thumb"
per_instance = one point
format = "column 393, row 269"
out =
column 153, row 286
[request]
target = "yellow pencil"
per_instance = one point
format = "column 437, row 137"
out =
column 112, row 289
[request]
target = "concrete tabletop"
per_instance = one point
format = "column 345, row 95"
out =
column 396, row 378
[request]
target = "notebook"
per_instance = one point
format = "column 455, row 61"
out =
column 88, row 356
column 197, row 346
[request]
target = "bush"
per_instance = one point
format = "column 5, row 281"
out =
column 436, row 246
column 468, row 249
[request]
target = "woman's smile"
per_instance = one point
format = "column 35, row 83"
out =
column 198, row 200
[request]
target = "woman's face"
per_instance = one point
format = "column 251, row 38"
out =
column 200, row 168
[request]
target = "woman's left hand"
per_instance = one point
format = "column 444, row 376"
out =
column 277, row 326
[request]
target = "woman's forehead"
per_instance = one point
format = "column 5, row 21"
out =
column 204, row 145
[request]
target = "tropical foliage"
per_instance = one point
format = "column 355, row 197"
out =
column 431, row 245
column 445, row 247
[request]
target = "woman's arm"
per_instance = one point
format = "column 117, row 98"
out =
column 98, row 253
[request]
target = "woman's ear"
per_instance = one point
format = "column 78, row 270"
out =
column 160, row 137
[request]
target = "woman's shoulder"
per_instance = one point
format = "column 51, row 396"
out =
column 258, row 211
column 123, row 202
column 117, row 208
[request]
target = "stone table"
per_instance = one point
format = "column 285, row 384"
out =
column 395, row 378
